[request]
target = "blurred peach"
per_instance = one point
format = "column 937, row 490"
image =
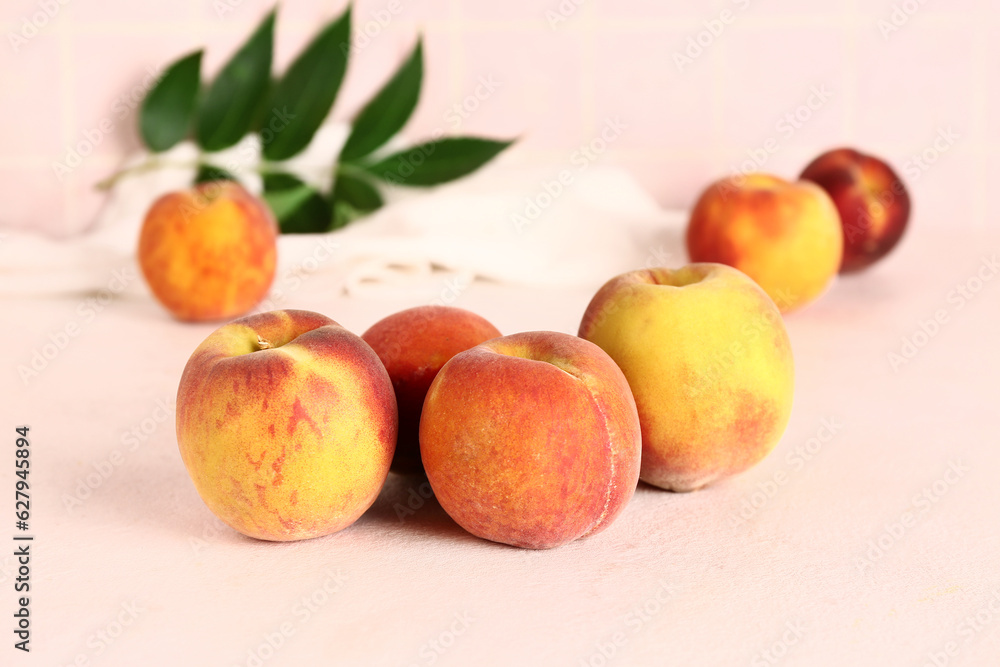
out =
column 786, row 236
column 873, row 203
column 413, row 345
column 209, row 253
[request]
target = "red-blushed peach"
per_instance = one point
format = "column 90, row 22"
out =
column 531, row 440
column 710, row 366
column 209, row 253
column 873, row 203
column 286, row 423
column 786, row 236
column 413, row 345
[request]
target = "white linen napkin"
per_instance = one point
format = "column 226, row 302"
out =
column 505, row 223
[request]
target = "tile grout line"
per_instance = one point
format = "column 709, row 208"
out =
column 67, row 87
column 979, row 221
column 457, row 68
column 588, row 81
column 717, row 61
column 851, row 74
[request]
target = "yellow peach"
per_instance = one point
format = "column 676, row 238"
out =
column 786, row 236
column 286, row 423
column 209, row 253
column 709, row 363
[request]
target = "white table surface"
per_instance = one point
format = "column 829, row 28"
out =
column 676, row 580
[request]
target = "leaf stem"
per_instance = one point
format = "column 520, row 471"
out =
column 109, row 182
column 154, row 163
column 352, row 169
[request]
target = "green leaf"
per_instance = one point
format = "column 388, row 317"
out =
column 387, row 112
column 353, row 198
column 209, row 172
column 168, row 109
column 264, row 111
column 232, row 101
column 437, row 161
column 299, row 208
column 306, row 92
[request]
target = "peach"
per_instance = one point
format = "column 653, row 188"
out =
column 286, row 423
column 786, row 236
column 531, row 440
column 413, row 345
column 209, row 253
column 710, row 366
column 873, row 203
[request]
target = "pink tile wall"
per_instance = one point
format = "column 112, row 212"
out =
column 557, row 84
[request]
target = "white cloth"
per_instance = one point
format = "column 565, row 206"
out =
column 507, row 224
